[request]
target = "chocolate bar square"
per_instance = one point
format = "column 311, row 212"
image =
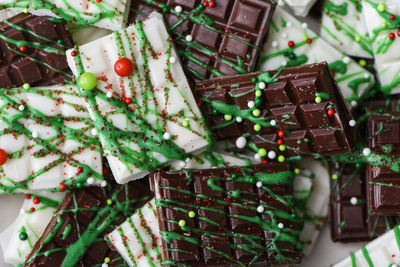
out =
column 32, row 50
column 384, row 137
column 351, row 220
column 290, row 111
column 216, row 39
column 74, row 236
column 230, row 216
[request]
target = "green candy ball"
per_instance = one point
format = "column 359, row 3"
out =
column 87, row 81
column 23, row 236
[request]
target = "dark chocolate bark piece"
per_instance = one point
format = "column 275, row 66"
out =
column 32, row 50
column 291, row 111
column 74, row 236
column 350, row 218
column 228, row 216
column 384, row 184
column 223, row 37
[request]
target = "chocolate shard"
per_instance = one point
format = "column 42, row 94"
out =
column 293, row 111
column 384, row 184
column 225, row 37
column 228, row 216
column 74, row 236
column 351, row 220
column 32, row 50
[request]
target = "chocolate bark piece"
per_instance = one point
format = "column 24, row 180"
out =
column 74, row 236
column 32, row 50
column 241, row 216
column 384, row 137
column 291, row 111
column 351, row 220
column 221, row 39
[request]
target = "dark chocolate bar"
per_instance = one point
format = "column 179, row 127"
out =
column 215, row 37
column 291, row 111
column 384, row 184
column 74, row 236
column 32, row 50
column 228, row 216
column 351, row 220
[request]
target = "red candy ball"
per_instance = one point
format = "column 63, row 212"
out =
column 73, row 53
column 128, row 100
column 63, row 187
column 36, row 200
column 280, row 142
column 27, row 196
column 392, row 17
column 32, row 209
column 211, row 4
column 398, row 32
column 391, row 36
column 309, row 41
column 205, row 3
column 331, row 112
column 123, row 67
column 290, row 43
column 22, row 48
column 281, row 133
column 3, row 156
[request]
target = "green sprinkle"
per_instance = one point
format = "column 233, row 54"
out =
column 228, row 117
column 26, row 86
column 192, row 214
column 258, row 93
column 26, row 10
column 282, row 147
column 185, row 123
column 306, row 140
column 281, row 158
column 382, row 7
column 87, row 81
column 299, row 142
column 318, row 99
column 262, row 152
column 362, row 62
column 107, row 260
column 384, row 24
column 182, row 223
column 305, row 38
column 256, row 112
column 357, row 38
column 23, row 236
column 59, row 41
column 257, row 127
column 296, row 171
column 335, row 176
column 109, row 201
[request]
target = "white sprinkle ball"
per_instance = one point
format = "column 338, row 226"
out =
column 280, row 225
column 261, row 85
column 94, row 132
column 182, row 164
column 241, row 142
column 271, row 154
column 366, row 151
column 274, row 44
column 187, row 160
column 346, row 60
column 104, row 265
column 284, row 35
column 21, row 107
column 90, row 180
column 257, row 157
column 167, row 136
column 353, row 201
column 259, row 184
column 353, row 103
column 260, row 209
column 172, row 60
column 352, row 123
column 178, row 9
column 284, row 63
column 239, row 119
column 103, row 184
column 288, row 24
column 251, row 104
column 366, row 75
column 35, row 135
column 272, row 122
column 304, row 25
column 188, row 38
column 109, row 94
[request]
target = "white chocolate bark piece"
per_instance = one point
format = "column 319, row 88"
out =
column 382, row 251
column 138, row 239
column 311, row 186
column 150, row 117
column 47, row 135
column 344, row 27
column 19, row 238
column 108, row 14
column 383, row 32
column 300, row 7
column 308, row 47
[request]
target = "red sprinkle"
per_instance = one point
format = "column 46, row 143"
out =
column 205, row 3
column 290, row 43
column 27, row 196
column 392, row 17
column 264, row 161
column 309, row 41
column 105, row 171
column 80, row 169
column 211, row 4
column 63, row 187
column 391, row 36
column 280, row 141
column 281, row 133
column 73, row 53
column 36, row 200
column 331, row 112
column 22, row 48
column 128, row 100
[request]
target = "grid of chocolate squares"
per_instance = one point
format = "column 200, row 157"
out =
column 227, row 216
